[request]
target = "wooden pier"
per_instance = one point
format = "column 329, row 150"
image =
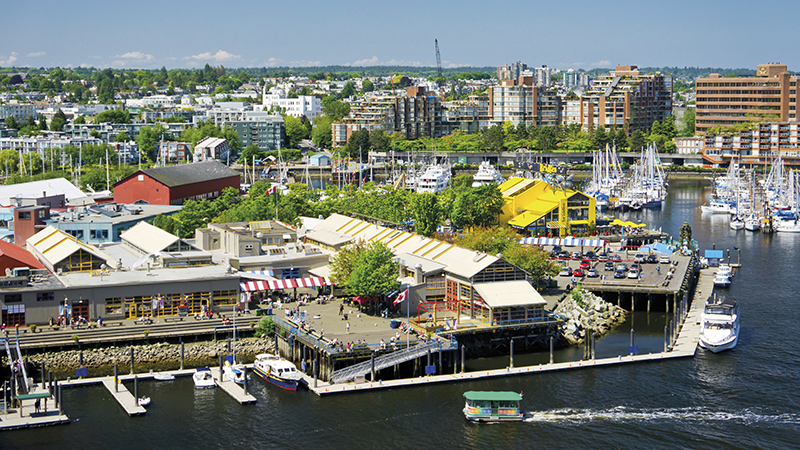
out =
column 123, row 396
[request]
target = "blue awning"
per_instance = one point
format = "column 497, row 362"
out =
column 714, row 254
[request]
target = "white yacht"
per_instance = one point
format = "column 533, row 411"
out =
column 787, row 226
column 737, row 223
column 435, row 179
column 486, row 174
column 752, row 222
column 721, row 280
column 719, row 329
column 718, row 207
column 233, row 372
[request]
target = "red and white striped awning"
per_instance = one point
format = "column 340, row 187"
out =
column 264, row 285
column 313, row 282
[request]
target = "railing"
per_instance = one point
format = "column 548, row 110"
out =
column 294, row 330
column 382, row 362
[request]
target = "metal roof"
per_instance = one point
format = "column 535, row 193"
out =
column 148, row 238
column 338, row 229
column 184, row 174
column 19, row 254
column 54, row 245
column 35, row 189
column 500, row 396
column 501, row 294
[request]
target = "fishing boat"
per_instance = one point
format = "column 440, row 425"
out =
column 144, row 401
column 493, row 406
column 719, row 329
column 486, row 174
column 278, row 371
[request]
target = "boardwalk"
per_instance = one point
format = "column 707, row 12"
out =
column 685, row 345
column 234, row 390
column 28, row 418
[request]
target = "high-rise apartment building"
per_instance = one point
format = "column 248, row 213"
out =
column 511, row 71
column 521, row 101
column 626, row 96
column 574, row 79
column 770, row 96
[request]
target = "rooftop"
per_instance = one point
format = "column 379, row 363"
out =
column 183, row 174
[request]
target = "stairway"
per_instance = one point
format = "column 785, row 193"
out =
column 407, row 354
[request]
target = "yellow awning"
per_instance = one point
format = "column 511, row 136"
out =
column 627, row 223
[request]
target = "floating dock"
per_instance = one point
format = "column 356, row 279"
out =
column 26, row 417
column 234, row 390
column 123, row 396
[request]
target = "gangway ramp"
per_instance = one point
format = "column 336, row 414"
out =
column 382, row 362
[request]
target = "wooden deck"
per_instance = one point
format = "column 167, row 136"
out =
column 234, row 390
column 13, row 420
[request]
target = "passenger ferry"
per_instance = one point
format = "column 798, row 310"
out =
column 486, row 174
column 493, row 406
column 435, row 179
column 278, row 371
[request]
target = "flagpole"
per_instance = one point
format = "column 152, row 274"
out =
column 408, row 320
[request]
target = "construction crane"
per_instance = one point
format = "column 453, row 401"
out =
column 438, row 59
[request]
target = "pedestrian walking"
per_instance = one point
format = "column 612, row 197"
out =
column 37, row 405
column 341, row 308
column 347, row 328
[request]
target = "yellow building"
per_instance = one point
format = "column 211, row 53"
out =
column 539, row 208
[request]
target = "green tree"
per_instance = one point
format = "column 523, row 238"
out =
column 367, row 86
column 546, row 139
column 122, row 137
column 688, row 122
column 379, row 140
column 637, row 141
column 427, row 213
column 493, row 138
column 348, row 90
column 79, row 120
column 533, row 260
column 358, row 143
column 147, row 139
column 479, row 206
column 250, row 152
column 295, row 131
column 322, row 134
column 11, row 123
column 373, row 272
column 335, row 109
column 43, row 123
column 113, row 116
column 59, row 120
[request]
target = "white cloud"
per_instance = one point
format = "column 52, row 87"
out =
column 11, row 59
column 36, row 54
column 375, row 61
column 220, row 56
column 135, row 56
column 603, row 63
column 304, row 63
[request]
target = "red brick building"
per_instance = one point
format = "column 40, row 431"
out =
column 28, row 220
column 174, row 185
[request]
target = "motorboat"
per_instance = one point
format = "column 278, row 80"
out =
column 486, row 174
column 719, row 329
column 722, row 280
column 203, row 379
column 718, row 207
column 787, row 226
column 277, row 370
column 725, row 270
column 435, row 179
column 233, row 371
column 163, row 376
column 493, row 406
column 143, row 401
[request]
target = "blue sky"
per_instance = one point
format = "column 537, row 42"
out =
column 561, row 34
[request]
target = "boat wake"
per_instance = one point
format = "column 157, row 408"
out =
column 625, row 414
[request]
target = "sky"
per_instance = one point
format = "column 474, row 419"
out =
column 560, row 34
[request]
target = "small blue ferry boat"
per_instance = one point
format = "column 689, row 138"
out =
column 493, row 406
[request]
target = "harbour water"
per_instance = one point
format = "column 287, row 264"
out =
column 743, row 398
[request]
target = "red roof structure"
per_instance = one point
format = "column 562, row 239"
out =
column 12, row 257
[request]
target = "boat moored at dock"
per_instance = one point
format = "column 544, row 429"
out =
column 278, row 371
column 493, row 406
column 719, row 329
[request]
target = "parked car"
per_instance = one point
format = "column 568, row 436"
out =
column 622, row 266
column 619, row 274
column 577, row 255
column 609, row 266
column 556, row 250
column 602, row 257
column 592, row 273
column 591, row 255
column 633, row 273
column 664, row 259
column 636, row 266
column 565, row 272
column 578, row 272
column 652, row 259
column 585, row 264
column 639, row 258
column 616, row 258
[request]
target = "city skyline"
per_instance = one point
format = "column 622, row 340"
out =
column 583, row 35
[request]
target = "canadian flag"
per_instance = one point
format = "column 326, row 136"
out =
column 401, row 297
column 272, row 190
